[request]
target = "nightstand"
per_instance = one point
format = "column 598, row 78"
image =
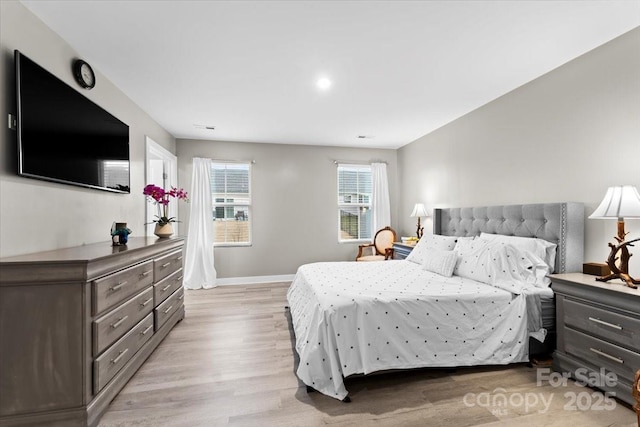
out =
column 598, row 332
column 401, row 250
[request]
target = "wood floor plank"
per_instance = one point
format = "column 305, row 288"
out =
column 231, row 362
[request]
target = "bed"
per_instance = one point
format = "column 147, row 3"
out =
column 473, row 293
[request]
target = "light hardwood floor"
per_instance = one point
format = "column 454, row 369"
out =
column 230, row 362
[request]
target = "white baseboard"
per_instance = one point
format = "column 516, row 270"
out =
column 254, row 280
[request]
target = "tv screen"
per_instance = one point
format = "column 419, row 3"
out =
column 64, row 137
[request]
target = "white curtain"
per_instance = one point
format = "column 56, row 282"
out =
column 380, row 196
column 199, row 271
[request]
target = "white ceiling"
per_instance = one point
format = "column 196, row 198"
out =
column 400, row 69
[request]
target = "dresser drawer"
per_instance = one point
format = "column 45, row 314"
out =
column 167, row 308
column 110, row 290
column 167, row 286
column 167, row 264
column 108, row 328
column 112, row 360
column 601, row 323
column 621, row 361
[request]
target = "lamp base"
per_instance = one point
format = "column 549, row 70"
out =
column 628, row 280
column 621, row 270
column 419, row 230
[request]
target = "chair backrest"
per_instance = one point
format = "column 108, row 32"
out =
column 384, row 239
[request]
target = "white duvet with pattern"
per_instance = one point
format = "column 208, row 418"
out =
column 357, row 318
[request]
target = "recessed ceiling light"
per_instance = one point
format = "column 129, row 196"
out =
column 323, row 83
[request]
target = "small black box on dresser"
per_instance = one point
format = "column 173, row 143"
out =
column 596, row 269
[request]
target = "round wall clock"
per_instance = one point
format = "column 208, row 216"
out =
column 83, row 74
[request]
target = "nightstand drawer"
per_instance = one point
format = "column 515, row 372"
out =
column 605, row 324
column 401, row 250
column 621, row 361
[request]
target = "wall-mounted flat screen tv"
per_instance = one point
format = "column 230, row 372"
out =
column 64, row 137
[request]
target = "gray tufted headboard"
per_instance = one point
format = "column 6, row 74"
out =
column 559, row 223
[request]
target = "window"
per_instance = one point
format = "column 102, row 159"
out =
column 231, row 196
column 354, row 202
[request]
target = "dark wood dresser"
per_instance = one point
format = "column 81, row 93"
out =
column 77, row 323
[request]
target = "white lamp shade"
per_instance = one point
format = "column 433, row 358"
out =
column 622, row 201
column 419, row 210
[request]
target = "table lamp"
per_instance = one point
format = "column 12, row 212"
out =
column 620, row 202
column 418, row 211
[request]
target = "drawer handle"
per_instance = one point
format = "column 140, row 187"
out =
column 608, row 356
column 166, row 265
column 179, row 278
column 165, row 288
column 602, row 322
column 146, row 330
column 118, row 286
column 179, row 258
column 119, row 322
column 120, row 354
column 144, row 273
column 142, row 304
column 168, row 309
column 180, row 297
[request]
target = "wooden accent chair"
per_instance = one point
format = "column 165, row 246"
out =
column 381, row 248
column 636, row 395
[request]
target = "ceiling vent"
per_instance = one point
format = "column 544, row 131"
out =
column 204, row 127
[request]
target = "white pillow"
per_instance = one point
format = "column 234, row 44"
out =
column 433, row 241
column 465, row 245
column 439, row 261
column 539, row 247
column 540, row 269
column 501, row 265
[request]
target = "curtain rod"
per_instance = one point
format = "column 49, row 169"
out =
column 226, row 161
column 356, row 162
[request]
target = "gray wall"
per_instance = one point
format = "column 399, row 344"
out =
column 565, row 136
column 294, row 203
column 37, row 215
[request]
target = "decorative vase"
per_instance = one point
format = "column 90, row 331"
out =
column 163, row 230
